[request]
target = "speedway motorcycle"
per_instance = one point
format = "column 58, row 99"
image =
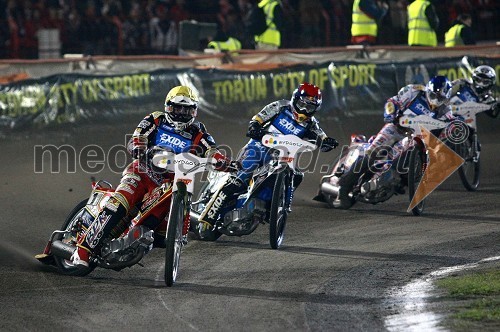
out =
column 269, row 195
column 366, row 186
column 468, row 148
column 135, row 239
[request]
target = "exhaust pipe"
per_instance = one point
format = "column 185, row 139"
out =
column 193, row 216
column 62, row 250
column 329, row 189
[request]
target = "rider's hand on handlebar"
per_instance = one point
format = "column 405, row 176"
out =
column 227, row 165
column 328, row 144
column 255, row 130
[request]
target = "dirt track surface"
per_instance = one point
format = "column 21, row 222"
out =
column 333, row 272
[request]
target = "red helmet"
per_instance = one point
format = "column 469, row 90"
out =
column 306, row 100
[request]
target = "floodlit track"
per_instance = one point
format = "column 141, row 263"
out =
column 332, row 273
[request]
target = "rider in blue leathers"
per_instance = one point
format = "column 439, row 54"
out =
column 431, row 99
column 479, row 89
column 296, row 117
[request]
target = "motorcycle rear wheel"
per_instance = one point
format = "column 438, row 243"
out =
column 415, row 175
column 65, row 266
column 278, row 213
column 174, row 241
column 470, row 171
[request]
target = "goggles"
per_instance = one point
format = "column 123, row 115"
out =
column 436, row 97
column 181, row 110
column 305, row 107
column 482, row 81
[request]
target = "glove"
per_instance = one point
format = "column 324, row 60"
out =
column 225, row 164
column 328, row 144
column 255, row 130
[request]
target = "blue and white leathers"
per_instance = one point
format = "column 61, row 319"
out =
column 254, row 154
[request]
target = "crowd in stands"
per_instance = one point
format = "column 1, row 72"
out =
column 133, row 27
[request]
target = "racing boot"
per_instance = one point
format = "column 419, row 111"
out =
column 211, row 213
column 102, row 227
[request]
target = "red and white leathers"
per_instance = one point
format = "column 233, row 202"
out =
column 138, row 179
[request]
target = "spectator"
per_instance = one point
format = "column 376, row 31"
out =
column 224, row 43
column 365, row 15
column 135, row 33
column 423, row 23
column 271, row 38
column 90, row 31
column 4, row 32
column 72, row 43
column 309, row 18
column 460, row 33
column 163, row 32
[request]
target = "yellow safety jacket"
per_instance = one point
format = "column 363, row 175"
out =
column 272, row 35
column 232, row 44
column 419, row 29
column 452, row 37
column 362, row 24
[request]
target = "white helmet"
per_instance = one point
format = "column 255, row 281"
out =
column 484, row 78
column 181, row 106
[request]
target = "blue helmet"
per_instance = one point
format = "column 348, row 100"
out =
column 438, row 91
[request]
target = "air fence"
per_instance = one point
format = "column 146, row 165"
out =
column 354, row 81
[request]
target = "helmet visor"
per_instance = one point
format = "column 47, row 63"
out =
column 181, row 113
column 482, row 81
column 436, row 98
column 305, row 107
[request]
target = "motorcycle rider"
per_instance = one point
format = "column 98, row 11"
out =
column 294, row 116
column 431, row 99
column 174, row 129
column 479, row 89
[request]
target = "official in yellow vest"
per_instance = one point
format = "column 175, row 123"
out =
column 422, row 24
column 271, row 38
column 231, row 44
column 460, row 33
column 365, row 14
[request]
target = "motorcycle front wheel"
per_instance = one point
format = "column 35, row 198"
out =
column 174, row 239
column 65, row 266
column 416, row 170
column 278, row 213
column 470, row 170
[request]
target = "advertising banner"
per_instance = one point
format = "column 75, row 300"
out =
column 349, row 88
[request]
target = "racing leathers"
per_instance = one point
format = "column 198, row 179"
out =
column 463, row 90
column 276, row 117
column 390, row 138
column 139, row 178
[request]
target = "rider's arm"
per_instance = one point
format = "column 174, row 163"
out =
column 204, row 146
column 396, row 105
column 143, row 135
column 259, row 120
column 324, row 142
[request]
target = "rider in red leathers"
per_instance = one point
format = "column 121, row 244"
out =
column 174, row 129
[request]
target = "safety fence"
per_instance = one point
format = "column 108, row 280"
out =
column 355, row 86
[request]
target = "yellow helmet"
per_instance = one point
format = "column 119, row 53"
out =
column 181, row 106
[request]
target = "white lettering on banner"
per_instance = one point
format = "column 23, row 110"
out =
column 164, row 138
column 289, row 126
column 217, row 204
